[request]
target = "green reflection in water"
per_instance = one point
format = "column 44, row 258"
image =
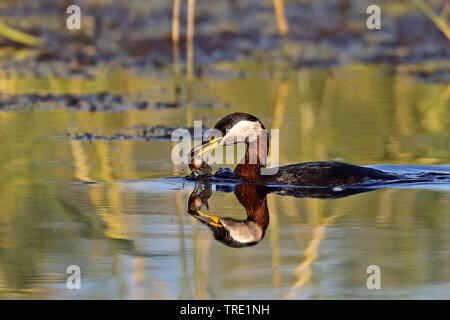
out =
column 129, row 242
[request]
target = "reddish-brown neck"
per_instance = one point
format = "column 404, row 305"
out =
column 253, row 198
column 255, row 159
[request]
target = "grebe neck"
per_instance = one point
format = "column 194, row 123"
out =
column 255, row 158
column 253, row 198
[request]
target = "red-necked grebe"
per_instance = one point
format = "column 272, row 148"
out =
column 244, row 128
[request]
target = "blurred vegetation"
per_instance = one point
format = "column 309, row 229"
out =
column 133, row 243
column 439, row 21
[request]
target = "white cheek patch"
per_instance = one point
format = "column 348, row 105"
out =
column 241, row 131
column 243, row 231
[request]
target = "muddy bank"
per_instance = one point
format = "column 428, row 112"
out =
column 103, row 101
column 137, row 35
column 441, row 75
column 142, row 133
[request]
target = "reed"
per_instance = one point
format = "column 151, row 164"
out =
column 283, row 26
column 190, row 41
column 437, row 20
column 19, row 36
column 176, row 21
column 280, row 16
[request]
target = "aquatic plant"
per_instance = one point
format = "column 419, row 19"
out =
column 437, row 20
column 19, row 36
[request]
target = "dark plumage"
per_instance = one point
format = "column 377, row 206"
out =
column 326, row 174
column 228, row 122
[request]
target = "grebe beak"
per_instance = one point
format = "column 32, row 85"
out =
column 207, row 218
column 211, row 145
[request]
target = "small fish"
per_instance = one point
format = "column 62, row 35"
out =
column 199, row 167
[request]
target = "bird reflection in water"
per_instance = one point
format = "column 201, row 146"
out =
column 232, row 232
column 247, row 232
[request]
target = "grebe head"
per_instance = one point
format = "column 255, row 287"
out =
column 235, row 128
column 238, row 233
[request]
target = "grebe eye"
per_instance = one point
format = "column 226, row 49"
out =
column 207, row 138
column 211, row 134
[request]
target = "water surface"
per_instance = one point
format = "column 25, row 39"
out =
column 129, row 231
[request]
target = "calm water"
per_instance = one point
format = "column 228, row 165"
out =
column 130, row 232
